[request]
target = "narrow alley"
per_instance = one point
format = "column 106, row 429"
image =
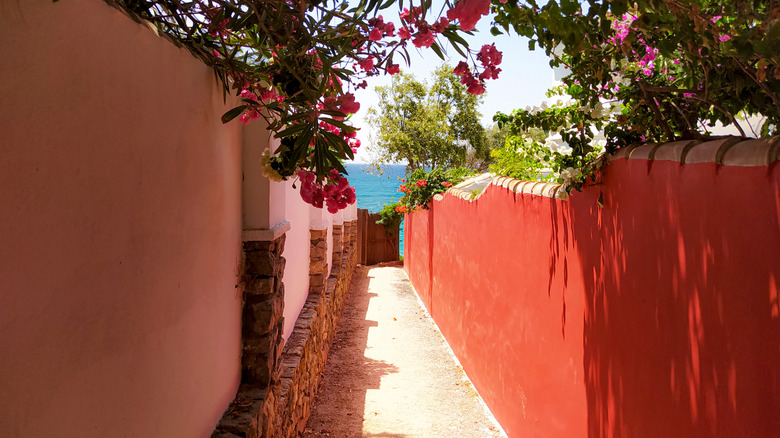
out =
column 390, row 372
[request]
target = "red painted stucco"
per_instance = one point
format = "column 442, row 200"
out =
column 654, row 316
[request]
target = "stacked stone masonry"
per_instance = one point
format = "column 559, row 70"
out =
column 281, row 407
column 318, row 260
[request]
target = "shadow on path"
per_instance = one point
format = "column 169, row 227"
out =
column 390, row 373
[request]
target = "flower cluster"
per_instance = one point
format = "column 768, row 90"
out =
column 255, row 102
column 468, row 12
column 348, row 135
column 344, row 104
column 416, row 28
column 334, row 191
column 380, row 29
column 422, row 186
column 490, row 58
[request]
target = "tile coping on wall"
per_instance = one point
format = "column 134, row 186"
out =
column 725, row 151
column 266, row 234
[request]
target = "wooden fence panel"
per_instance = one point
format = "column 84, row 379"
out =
column 377, row 243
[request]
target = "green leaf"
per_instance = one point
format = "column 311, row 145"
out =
column 294, row 129
column 437, row 50
column 569, row 7
column 232, row 114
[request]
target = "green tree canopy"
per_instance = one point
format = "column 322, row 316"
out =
column 427, row 126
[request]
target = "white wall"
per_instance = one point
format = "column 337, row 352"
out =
column 296, row 251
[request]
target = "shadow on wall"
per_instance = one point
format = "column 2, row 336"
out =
column 681, row 324
column 348, row 349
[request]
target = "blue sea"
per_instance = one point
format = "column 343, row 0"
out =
column 373, row 190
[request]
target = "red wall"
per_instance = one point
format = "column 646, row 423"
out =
column 654, row 316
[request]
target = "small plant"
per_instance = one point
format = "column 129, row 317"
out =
column 521, row 158
column 421, row 185
column 391, row 215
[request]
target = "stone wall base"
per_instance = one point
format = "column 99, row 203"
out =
column 282, row 408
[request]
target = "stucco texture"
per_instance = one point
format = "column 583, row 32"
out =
column 653, row 315
column 120, row 228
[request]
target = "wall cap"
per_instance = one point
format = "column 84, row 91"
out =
column 320, row 226
column 723, row 151
column 266, row 234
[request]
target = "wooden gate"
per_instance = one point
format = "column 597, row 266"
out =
column 377, row 243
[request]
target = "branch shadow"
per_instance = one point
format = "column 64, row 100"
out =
column 681, row 323
column 340, row 403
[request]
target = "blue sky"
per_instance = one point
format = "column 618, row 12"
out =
column 524, row 78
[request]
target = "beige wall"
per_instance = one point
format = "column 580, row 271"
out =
column 120, row 229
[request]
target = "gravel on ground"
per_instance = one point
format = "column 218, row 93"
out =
column 390, row 373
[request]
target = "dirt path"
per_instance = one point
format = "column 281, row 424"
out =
column 390, row 373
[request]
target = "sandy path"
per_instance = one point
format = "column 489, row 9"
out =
column 390, row 372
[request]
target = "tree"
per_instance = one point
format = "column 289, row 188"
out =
column 665, row 66
column 296, row 63
column 427, row 126
column 647, row 71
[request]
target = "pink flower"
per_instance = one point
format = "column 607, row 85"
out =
column 404, row 33
column 246, row 94
column 468, row 12
column 334, row 192
column 354, row 144
column 441, row 25
column 476, row 88
column 410, row 16
column 422, row 183
column 424, row 38
column 389, row 29
column 375, row 34
column 461, row 69
column 270, row 94
column 393, row 69
column 249, row 114
column 489, row 55
column 490, row 72
column 367, row 64
column 348, row 104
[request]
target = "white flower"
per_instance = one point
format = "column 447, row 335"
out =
column 562, row 194
column 544, row 106
column 597, row 112
column 570, row 175
column 558, row 146
column 564, row 148
column 268, row 171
